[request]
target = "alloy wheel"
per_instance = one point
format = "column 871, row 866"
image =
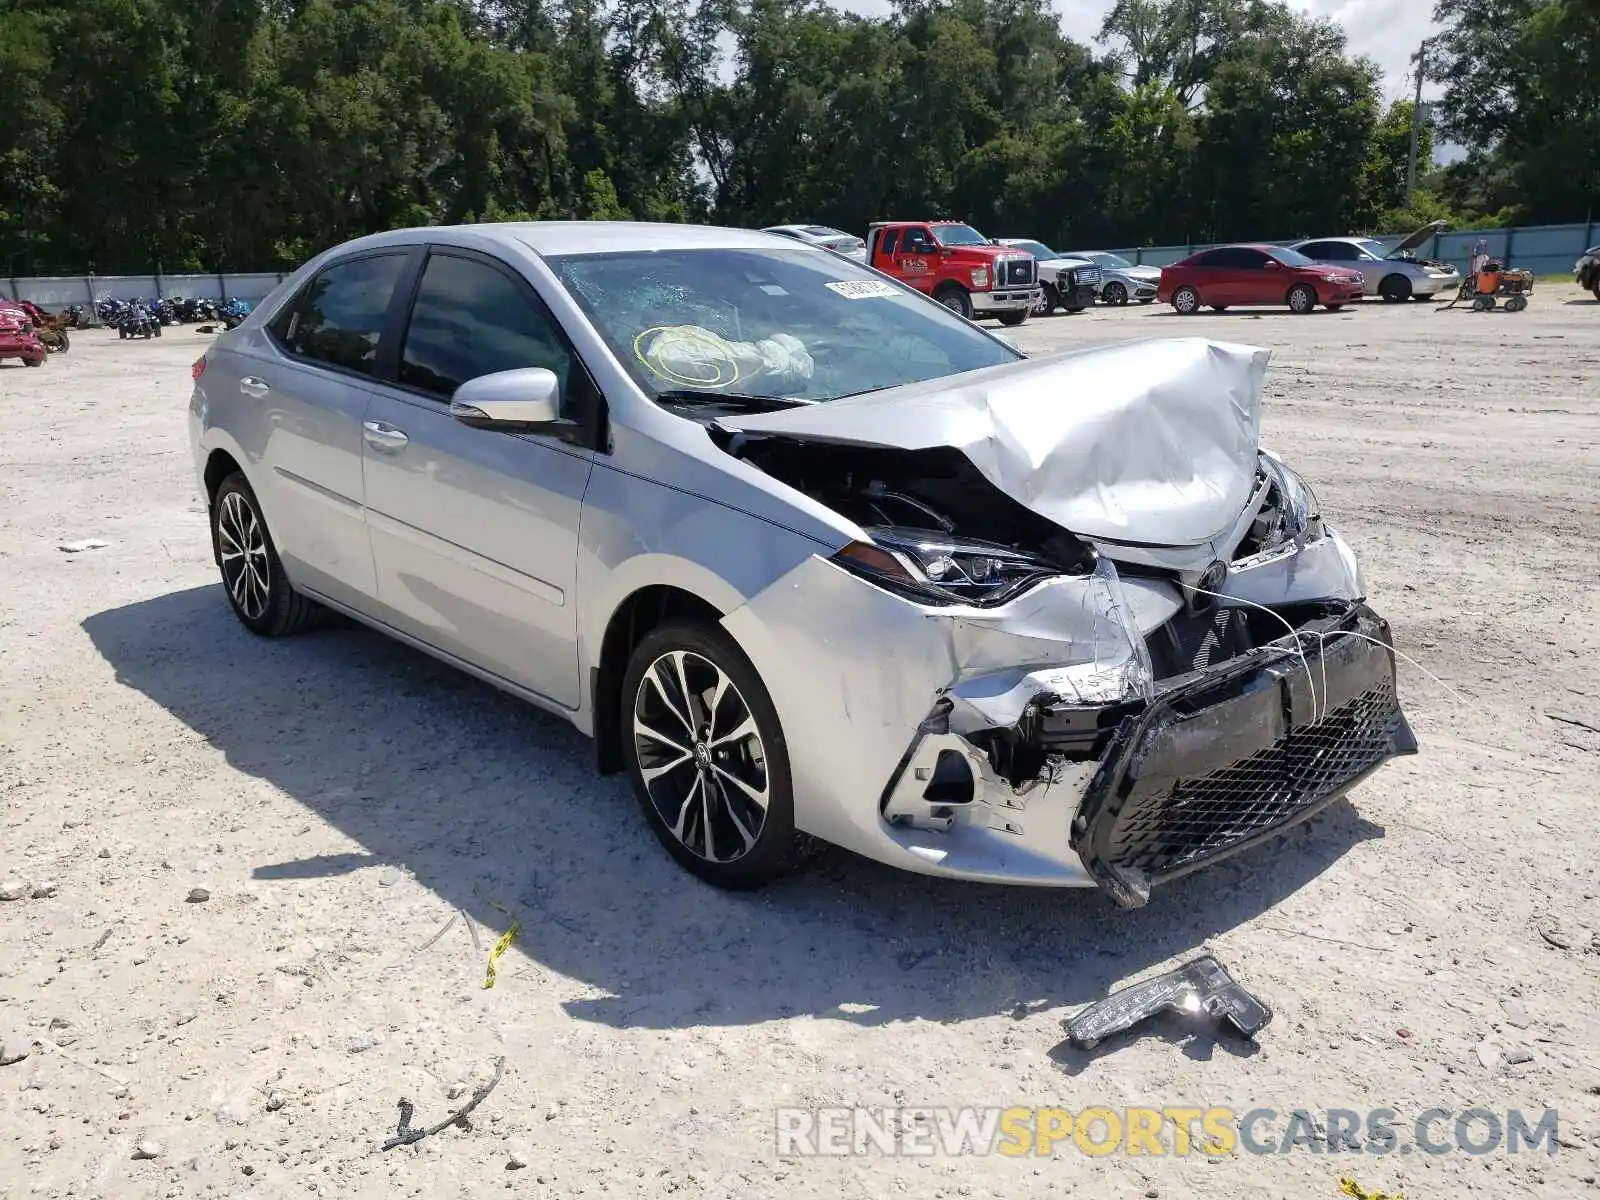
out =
column 700, row 756
column 242, row 546
column 1114, row 293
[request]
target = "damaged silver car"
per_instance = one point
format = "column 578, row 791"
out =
column 808, row 555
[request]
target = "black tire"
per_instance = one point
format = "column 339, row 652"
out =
column 33, row 362
column 1015, row 318
column 1334, row 307
column 1148, row 300
column 1049, row 298
column 122, row 333
column 1114, row 292
column 1395, row 289
column 157, row 329
column 1186, row 301
column 1219, row 308
column 669, row 675
column 954, row 297
column 1596, row 290
column 282, row 610
column 1302, row 299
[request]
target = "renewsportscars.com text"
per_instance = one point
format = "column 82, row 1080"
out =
column 1170, row 1130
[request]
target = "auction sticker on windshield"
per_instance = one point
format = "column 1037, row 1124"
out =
column 862, row 289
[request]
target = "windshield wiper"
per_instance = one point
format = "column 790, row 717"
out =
column 729, row 399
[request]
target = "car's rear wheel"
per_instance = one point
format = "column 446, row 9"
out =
column 1015, row 318
column 258, row 590
column 1114, row 293
column 1186, row 300
column 1302, row 298
column 1395, row 288
column 1219, row 308
column 1334, row 307
column 707, row 757
column 954, row 297
column 1048, row 299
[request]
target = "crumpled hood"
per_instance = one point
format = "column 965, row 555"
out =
column 1150, row 441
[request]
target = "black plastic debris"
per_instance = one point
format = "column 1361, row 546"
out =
column 1201, row 987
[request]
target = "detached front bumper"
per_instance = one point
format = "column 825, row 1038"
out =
column 1237, row 753
column 1141, row 792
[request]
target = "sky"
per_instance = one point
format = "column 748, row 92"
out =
column 1385, row 30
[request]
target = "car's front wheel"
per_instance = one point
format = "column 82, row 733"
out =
column 1114, row 293
column 1395, row 288
column 258, row 590
column 1302, row 298
column 707, row 757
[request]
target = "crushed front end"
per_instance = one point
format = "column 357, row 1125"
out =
column 1057, row 683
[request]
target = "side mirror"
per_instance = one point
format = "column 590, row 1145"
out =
column 1272, row 264
column 525, row 400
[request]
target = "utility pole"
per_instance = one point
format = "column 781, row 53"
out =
column 1416, row 123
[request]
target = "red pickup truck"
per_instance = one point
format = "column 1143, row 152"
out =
column 958, row 267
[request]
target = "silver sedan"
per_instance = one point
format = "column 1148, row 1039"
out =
column 807, row 555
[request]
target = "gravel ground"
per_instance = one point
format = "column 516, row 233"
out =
column 1431, row 942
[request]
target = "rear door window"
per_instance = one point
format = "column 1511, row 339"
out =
column 337, row 320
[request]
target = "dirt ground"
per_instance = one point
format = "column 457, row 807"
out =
column 1432, row 942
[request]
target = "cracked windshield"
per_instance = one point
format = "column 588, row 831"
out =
column 798, row 325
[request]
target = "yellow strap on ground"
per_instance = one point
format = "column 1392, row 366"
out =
column 1351, row 1188
column 502, row 944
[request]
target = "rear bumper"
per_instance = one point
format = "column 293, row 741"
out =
column 1235, row 754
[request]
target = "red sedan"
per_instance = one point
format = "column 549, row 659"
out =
column 1230, row 275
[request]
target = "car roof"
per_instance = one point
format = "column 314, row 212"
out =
column 583, row 237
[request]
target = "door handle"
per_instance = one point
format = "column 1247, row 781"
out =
column 383, row 436
column 251, row 386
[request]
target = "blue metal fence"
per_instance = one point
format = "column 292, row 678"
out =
column 1542, row 249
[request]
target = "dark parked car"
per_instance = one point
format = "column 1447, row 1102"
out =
column 1230, row 275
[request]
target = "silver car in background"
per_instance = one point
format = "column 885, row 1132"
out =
column 837, row 240
column 1121, row 280
column 806, row 554
column 1395, row 273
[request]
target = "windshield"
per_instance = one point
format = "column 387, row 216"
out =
column 1373, row 247
column 1037, row 249
column 958, row 235
column 768, row 323
column 1291, row 258
column 1115, row 261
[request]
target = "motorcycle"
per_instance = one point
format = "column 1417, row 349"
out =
column 232, row 311
column 138, row 321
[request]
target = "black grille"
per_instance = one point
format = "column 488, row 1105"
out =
column 1191, row 819
column 1194, row 642
column 1019, row 271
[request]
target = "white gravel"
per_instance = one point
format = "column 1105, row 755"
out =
column 343, row 797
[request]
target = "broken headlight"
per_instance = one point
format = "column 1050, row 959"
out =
column 1291, row 512
column 946, row 570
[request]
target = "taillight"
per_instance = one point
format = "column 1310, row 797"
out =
column 198, row 369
